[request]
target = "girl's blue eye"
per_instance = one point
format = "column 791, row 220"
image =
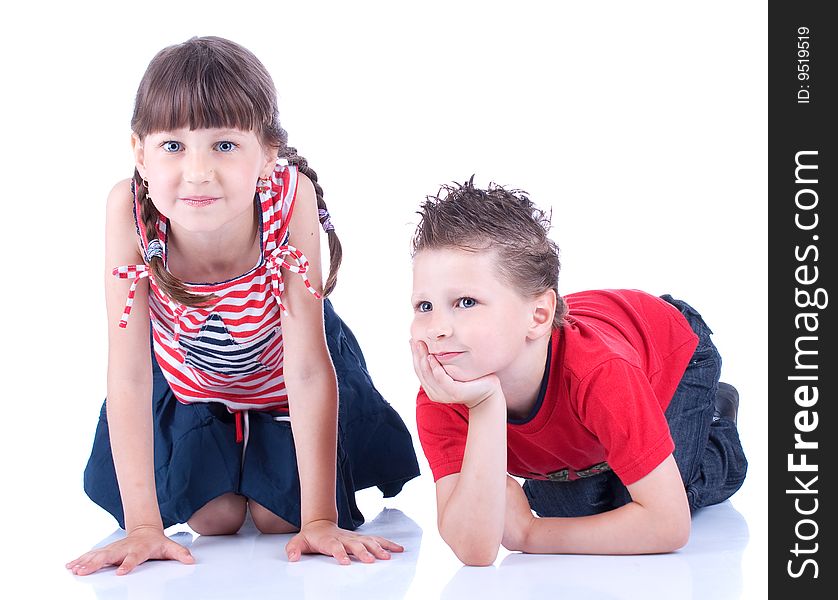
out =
column 171, row 146
column 225, row 146
column 424, row 306
column 466, row 302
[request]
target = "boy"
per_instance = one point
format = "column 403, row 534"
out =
column 607, row 402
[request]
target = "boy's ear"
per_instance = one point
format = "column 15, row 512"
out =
column 544, row 307
column 139, row 154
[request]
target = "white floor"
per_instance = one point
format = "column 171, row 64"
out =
column 617, row 116
column 725, row 559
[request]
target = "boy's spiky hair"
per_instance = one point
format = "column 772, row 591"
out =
column 504, row 221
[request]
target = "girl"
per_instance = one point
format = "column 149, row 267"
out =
column 242, row 380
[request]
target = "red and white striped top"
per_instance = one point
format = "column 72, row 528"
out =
column 232, row 351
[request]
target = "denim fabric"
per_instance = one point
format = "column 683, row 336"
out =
column 708, row 453
column 196, row 457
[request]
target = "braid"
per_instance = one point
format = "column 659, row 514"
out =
column 335, row 249
column 170, row 285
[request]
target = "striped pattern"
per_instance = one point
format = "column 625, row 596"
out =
column 231, row 352
column 135, row 273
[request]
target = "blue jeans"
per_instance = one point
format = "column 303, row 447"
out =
column 708, row 453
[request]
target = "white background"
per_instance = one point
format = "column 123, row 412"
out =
column 641, row 125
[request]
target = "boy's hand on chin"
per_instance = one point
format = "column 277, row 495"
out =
column 441, row 387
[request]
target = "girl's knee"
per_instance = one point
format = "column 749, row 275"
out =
column 267, row 522
column 221, row 516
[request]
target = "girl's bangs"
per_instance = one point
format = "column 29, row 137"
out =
column 196, row 100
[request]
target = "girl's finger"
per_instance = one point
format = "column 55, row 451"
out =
column 295, row 548
column 339, row 552
column 375, row 548
column 359, row 550
column 387, row 544
column 81, row 559
column 179, row 553
column 131, row 561
column 96, row 561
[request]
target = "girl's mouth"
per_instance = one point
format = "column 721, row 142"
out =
column 199, row 201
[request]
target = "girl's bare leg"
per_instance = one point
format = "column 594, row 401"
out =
column 268, row 522
column 221, row 516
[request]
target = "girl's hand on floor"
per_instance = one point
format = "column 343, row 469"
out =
column 142, row 544
column 325, row 537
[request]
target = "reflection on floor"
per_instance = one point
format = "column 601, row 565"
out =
column 252, row 565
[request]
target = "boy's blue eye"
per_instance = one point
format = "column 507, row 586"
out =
column 466, row 302
column 225, row 146
column 424, row 306
column 171, row 146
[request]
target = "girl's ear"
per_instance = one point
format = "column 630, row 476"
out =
column 270, row 163
column 139, row 154
column 543, row 309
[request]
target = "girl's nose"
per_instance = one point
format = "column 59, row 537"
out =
column 197, row 168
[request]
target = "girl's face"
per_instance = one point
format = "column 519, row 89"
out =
column 203, row 179
column 471, row 320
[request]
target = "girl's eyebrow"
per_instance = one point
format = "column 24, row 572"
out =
column 231, row 132
column 182, row 131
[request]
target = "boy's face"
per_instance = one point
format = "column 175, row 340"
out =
column 471, row 319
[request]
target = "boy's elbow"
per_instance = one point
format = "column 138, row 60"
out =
column 476, row 555
column 472, row 550
column 676, row 535
column 681, row 536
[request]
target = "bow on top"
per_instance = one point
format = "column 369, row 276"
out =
column 283, row 256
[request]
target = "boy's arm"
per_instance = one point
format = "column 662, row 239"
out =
column 656, row 520
column 471, row 504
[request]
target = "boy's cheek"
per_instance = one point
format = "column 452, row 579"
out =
column 415, row 334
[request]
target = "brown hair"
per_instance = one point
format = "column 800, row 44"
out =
column 213, row 82
column 497, row 219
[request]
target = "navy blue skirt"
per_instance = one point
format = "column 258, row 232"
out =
column 196, row 457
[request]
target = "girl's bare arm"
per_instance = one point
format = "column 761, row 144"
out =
column 129, row 404
column 312, row 396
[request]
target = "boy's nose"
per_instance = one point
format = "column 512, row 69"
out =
column 440, row 327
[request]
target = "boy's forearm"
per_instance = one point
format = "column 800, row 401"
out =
column 471, row 522
column 630, row 529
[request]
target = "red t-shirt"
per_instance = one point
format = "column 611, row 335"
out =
column 613, row 368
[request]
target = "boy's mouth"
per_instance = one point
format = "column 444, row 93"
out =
column 445, row 356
